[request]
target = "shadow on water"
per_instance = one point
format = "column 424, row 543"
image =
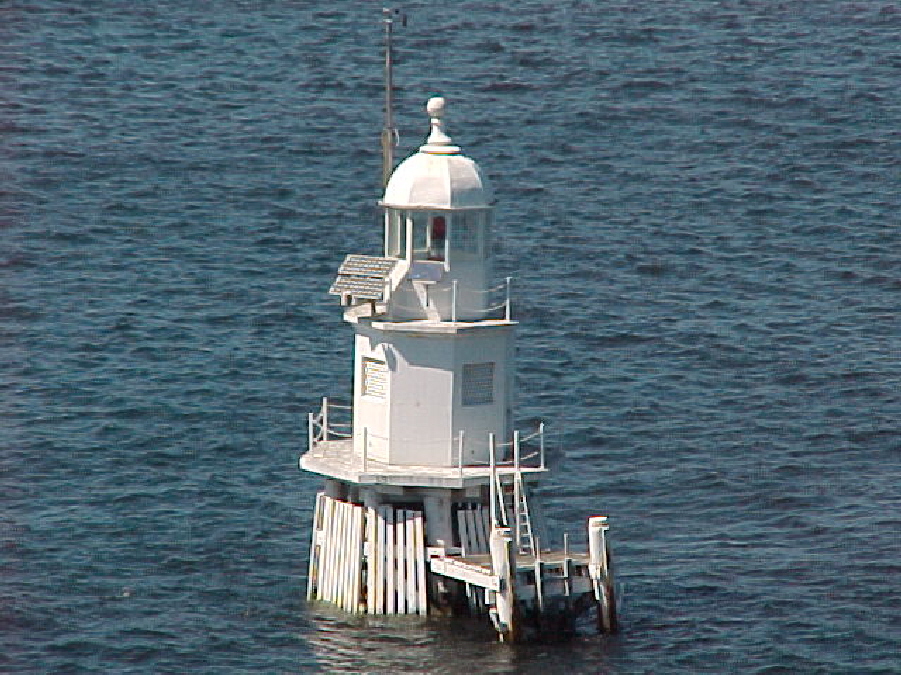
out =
column 341, row 643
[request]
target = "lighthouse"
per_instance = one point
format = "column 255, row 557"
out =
column 426, row 506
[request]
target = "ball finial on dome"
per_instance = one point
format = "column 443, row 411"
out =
column 438, row 141
column 435, row 107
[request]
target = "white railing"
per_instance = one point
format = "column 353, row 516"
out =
column 498, row 300
column 456, row 293
column 333, row 422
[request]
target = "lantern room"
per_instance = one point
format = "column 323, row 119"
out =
column 437, row 208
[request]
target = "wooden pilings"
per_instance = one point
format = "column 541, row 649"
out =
column 474, row 527
column 368, row 559
column 396, row 572
column 600, row 569
column 373, row 559
column 336, row 559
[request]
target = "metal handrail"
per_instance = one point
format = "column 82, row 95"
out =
column 322, row 429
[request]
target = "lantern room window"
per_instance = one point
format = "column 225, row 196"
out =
column 440, row 236
column 437, row 238
column 395, row 234
column 429, row 235
column 420, row 235
column 465, row 235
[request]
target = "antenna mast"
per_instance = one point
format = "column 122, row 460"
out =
column 389, row 133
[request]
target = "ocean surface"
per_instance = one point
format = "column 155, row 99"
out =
column 699, row 203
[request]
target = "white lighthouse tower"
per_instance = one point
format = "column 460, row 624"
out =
column 426, row 505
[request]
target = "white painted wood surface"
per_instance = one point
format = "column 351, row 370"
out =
column 368, row 560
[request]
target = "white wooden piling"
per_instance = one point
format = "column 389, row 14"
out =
column 410, row 560
column 507, row 303
column 541, row 442
column 382, row 565
column 419, row 557
column 390, row 565
column 315, row 547
column 328, row 567
column 357, row 553
column 504, row 566
column 517, row 495
column 462, row 527
column 372, row 561
column 600, row 573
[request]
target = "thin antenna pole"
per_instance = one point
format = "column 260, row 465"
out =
column 389, row 133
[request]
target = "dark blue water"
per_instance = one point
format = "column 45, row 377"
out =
column 699, row 202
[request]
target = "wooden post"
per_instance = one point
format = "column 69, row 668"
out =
column 400, row 546
column 463, row 528
column 601, row 574
column 410, row 560
column 503, row 563
column 517, row 496
column 356, row 582
column 507, row 311
column 325, row 418
column 310, row 431
column 313, row 576
column 541, row 437
column 422, row 606
column 372, row 561
column 390, row 566
column 477, row 530
column 381, row 575
column 329, row 567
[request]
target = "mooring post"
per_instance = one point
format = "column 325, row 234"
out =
column 507, row 312
column 600, row 573
column 541, row 441
column 503, row 563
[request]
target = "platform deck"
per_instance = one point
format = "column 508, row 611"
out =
column 336, row 459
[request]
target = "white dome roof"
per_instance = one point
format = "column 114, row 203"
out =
column 437, row 176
